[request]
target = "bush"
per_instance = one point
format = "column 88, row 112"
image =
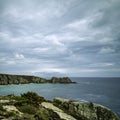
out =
column 21, row 101
column 33, row 98
column 27, row 109
column 11, row 114
column 1, row 108
column 91, row 105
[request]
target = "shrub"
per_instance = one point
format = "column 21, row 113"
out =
column 29, row 109
column 21, row 101
column 10, row 114
column 91, row 105
column 33, row 98
column 1, row 108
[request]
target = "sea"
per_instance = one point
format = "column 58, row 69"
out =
column 104, row 91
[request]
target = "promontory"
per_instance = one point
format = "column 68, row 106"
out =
column 6, row 79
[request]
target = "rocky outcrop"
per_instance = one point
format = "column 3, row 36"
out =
column 61, row 80
column 46, row 114
column 57, row 110
column 30, row 106
column 6, row 79
column 24, row 108
column 85, row 110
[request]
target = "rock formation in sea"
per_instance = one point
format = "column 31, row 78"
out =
column 61, row 80
column 6, row 79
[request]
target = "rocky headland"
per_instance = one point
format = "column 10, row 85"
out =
column 85, row 110
column 30, row 106
column 6, row 79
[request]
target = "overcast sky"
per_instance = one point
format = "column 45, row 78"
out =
column 60, row 37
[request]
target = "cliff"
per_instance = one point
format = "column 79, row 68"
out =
column 30, row 106
column 85, row 110
column 6, row 79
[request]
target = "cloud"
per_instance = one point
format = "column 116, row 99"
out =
column 99, row 65
column 106, row 50
column 19, row 56
column 109, row 14
column 60, row 37
column 77, row 25
column 54, row 40
column 106, row 41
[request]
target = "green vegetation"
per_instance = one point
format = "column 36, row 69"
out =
column 32, row 98
column 91, row 105
column 1, row 107
column 28, row 107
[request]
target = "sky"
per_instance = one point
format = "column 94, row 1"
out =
column 76, row 38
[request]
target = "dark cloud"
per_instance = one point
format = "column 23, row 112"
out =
column 72, row 37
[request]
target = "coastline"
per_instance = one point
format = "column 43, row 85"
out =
column 6, row 79
column 34, row 107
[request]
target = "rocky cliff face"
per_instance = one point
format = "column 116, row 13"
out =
column 30, row 106
column 6, row 79
column 85, row 110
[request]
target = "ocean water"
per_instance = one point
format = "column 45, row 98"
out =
column 105, row 91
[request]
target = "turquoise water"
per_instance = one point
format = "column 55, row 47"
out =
column 104, row 91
